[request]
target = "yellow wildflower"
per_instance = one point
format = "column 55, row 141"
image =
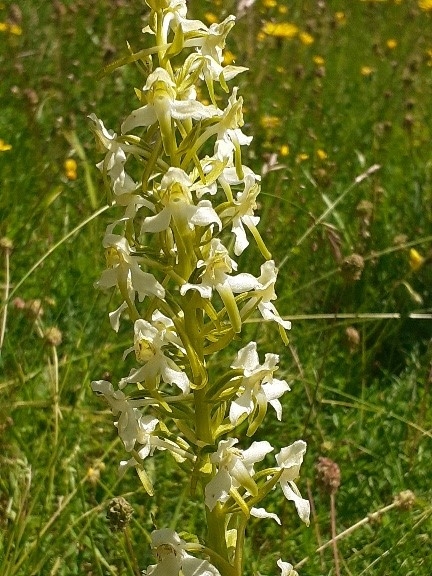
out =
column 391, row 43
column 321, row 154
column 229, row 57
column 4, row 27
column 302, row 157
column 269, row 3
column 15, row 29
column 416, row 260
column 340, row 16
column 425, row 5
column 270, row 122
column 284, row 150
column 282, row 9
column 70, row 168
column 366, row 71
column 4, row 147
column 306, row 38
column 318, row 60
column 211, row 18
column 280, row 30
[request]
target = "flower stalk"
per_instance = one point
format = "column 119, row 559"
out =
column 183, row 194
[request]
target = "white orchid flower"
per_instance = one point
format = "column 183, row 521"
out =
column 163, row 106
column 242, row 211
column 289, row 460
column 115, row 159
column 176, row 199
column 286, row 568
column 130, row 421
column 265, row 294
column 262, row 513
column 235, row 468
column 149, row 339
column 229, row 135
column 173, row 559
column 124, row 269
column 257, row 388
column 216, row 276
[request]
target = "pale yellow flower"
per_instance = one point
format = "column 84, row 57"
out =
column 270, row 122
column 366, row 71
column 211, row 18
column 321, row 154
column 416, row 260
column 425, row 5
column 391, row 43
column 70, row 168
column 306, row 38
column 318, row 60
column 15, row 29
column 280, row 29
column 4, row 147
column 284, row 150
column 228, row 58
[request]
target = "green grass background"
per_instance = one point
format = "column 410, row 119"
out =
column 368, row 409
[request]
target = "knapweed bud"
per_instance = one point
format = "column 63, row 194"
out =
column 352, row 268
column 119, row 514
column 328, row 474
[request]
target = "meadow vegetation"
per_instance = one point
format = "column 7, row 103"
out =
column 338, row 98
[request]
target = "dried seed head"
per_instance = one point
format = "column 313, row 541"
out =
column 328, row 474
column 53, row 336
column 405, row 499
column 119, row 514
column 364, row 209
column 94, row 472
column 19, row 303
column 34, row 308
column 6, row 244
column 352, row 268
column 353, row 338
